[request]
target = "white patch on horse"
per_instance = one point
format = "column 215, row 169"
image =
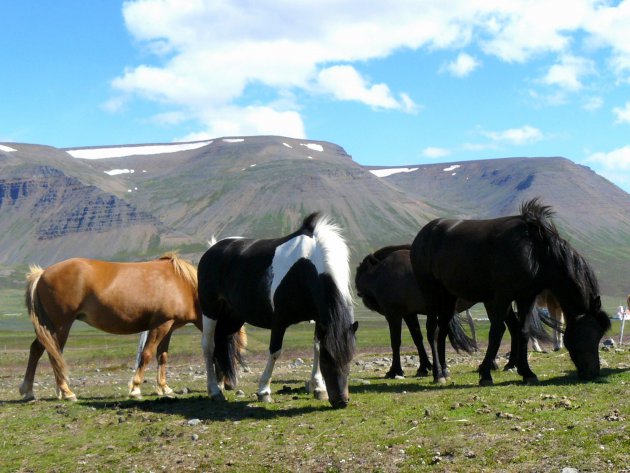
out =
column 286, row 255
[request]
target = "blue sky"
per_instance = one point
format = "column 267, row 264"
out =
column 394, row 83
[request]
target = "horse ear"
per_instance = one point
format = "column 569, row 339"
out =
column 597, row 303
column 355, row 327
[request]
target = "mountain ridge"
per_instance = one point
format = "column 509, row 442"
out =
column 263, row 186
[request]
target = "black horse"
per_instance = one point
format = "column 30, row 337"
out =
column 502, row 260
column 386, row 284
column 273, row 284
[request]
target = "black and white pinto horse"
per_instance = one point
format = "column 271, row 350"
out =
column 507, row 259
column 273, row 284
column 385, row 282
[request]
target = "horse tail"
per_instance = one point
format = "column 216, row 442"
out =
column 535, row 323
column 42, row 323
column 229, row 350
column 141, row 343
column 458, row 337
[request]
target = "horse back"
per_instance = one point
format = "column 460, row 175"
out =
column 472, row 258
column 118, row 297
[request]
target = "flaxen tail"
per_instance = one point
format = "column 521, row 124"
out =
column 42, row 325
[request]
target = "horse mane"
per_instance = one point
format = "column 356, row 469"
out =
column 335, row 252
column 183, row 268
column 552, row 246
column 373, row 259
column 335, row 255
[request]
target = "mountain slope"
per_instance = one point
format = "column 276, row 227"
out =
column 152, row 198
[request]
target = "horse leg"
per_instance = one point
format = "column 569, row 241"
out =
column 442, row 334
column 416, row 334
column 432, row 334
column 162, row 355
column 143, row 361
column 395, row 328
column 26, row 388
column 275, row 350
column 512, row 325
column 524, row 307
column 317, row 385
column 207, row 344
column 496, row 314
column 556, row 313
column 63, row 390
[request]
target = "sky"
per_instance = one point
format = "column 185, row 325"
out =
column 401, row 82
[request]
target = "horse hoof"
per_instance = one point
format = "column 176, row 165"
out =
column 136, row 396
column 509, row 367
column 165, row 391
column 422, row 373
column 266, row 397
column 531, row 380
column 220, row 397
column 485, row 382
column 72, row 398
column 320, row 395
column 440, row 380
column 394, row 375
column 28, row 397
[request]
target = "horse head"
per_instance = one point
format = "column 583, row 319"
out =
column 582, row 337
column 336, row 352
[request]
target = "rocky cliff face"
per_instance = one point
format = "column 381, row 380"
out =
column 59, row 205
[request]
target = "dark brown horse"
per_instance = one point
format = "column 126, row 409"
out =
column 386, row 284
column 502, row 260
column 121, row 298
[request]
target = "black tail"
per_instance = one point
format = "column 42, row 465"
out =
column 535, row 326
column 458, row 337
column 229, row 348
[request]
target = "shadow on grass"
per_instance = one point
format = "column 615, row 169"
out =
column 412, row 385
column 201, row 407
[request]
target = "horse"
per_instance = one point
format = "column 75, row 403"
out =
column 385, row 282
column 157, row 296
column 554, row 318
column 275, row 283
column 507, row 259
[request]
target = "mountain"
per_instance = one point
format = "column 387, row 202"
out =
column 145, row 199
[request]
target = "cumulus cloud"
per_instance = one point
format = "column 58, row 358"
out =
column 593, row 103
column 206, row 55
column 435, row 152
column 345, row 83
column 622, row 114
column 463, row 65
column 516, row 136
column 568, row 73
column 614, row 165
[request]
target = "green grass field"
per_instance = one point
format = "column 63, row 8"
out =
column 391, row 425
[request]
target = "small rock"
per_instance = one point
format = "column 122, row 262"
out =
column 239, row 393
column 194, row 437
column 194, row 422
column 569, row 469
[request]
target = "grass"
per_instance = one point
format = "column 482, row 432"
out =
column 391, row 425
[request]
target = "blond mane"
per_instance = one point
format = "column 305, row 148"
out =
column 183, row 268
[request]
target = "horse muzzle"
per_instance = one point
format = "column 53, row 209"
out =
column 340, row 403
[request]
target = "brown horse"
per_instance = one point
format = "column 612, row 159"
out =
column 157, row 296
column 548, row 300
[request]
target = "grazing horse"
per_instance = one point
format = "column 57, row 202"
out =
column 507, row 259
column 555, row 318
column 121, row 298
column 273, row 284
column 386, row 284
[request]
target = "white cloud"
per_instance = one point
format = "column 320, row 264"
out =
column 463, row 65
column 615, row 160
column 206, row 54
column 593, row 103
column 568, row 73
column 435, row 152
column 622, row 113
column 345, row 83
column 516, row 136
